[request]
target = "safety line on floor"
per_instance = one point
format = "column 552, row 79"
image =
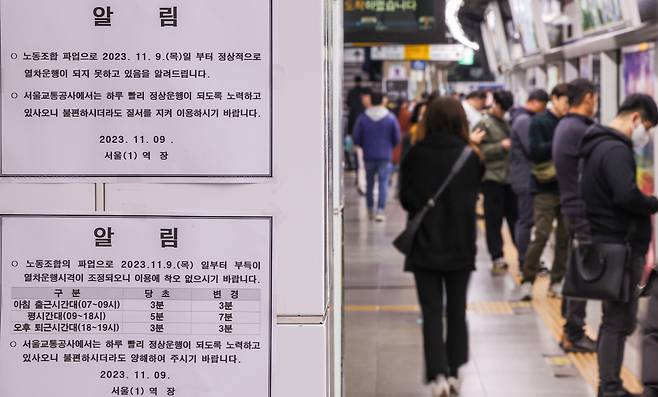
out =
column 484, row 308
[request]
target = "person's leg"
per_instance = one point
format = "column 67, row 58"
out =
column 561, row 245
column 619, row 322
column 383, row 175
column 523, row 225
column 511, row 210
column 456, row 285
column 429, row 286
column 493, row 218
column 650, row 346
column 576, row 312
column 543, row 217
column 371, row 171
column 361, row 183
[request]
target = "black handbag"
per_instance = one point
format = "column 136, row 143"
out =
column 600, row 271
column 405, row 241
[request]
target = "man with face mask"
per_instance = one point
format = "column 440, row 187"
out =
column 499, row 199
column 616, row 209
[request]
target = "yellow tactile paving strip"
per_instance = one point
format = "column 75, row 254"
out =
column 491, row 308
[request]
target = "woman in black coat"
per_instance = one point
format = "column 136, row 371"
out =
column 443, row 255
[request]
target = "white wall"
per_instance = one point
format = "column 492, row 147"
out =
column 303, row 196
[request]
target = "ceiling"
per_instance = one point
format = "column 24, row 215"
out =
column 474, row 10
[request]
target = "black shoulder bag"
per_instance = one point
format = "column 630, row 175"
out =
column 405, row 241
column 600, row 271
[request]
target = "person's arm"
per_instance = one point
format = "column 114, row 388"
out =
column 397, row 133
column 490, row 150
column 358, row 132
column 409, row 197
column 617, row 168
column 541, row 146
column 521, row 130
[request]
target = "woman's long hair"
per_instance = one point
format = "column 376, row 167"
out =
column 445, row 115
column 421, row 128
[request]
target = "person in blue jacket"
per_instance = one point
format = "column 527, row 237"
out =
column 377, row 132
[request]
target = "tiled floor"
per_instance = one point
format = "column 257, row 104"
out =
column 510, row 353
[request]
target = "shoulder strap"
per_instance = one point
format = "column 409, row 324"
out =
column 459, row 164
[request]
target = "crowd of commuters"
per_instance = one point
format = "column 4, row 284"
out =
column 547, row 168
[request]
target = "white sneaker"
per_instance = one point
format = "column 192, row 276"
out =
column 380, row 217
column 555, row 290
column 526, row 291
column 440, row 387
column 499, row 267
column 455, row 385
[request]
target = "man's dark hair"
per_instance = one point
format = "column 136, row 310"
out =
column 504, row 98
column 477, row 95
column 539, row 95
column 377, row 98
column 358, row 78
column 578, row 89
column 644, row 104
column 560, row 90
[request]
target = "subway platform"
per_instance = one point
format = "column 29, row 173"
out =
column 514, row 345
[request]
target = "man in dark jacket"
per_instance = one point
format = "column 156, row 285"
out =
column 583, row 103
column 618, row 212
column 519, row 166
column 354, row 103
column 499, row 199
column 546, row 195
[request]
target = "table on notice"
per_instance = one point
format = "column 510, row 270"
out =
column 176, row 311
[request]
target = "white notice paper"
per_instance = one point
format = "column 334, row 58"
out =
column 136, row 88
column 135, row 306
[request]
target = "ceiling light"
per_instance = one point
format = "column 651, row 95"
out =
column 455, row 27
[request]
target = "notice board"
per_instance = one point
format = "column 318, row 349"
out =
column 110, row 306
column 136, row 88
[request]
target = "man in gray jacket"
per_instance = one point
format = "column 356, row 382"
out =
column 520, row 167
column 499, row 199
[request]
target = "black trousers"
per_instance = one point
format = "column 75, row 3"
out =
column 499, row 203
column 619, row 322
column 650, row 346
column 443, row 356
column 574, row 311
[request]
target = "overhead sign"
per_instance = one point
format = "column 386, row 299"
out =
column 394, row 21
column 438, row 53
column 136, row 88
column 388, row 53
column 136, row 306
column 354, row 55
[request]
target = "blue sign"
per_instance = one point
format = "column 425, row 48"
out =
column 418, row 65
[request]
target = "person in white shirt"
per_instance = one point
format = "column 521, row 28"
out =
column 474, row 107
